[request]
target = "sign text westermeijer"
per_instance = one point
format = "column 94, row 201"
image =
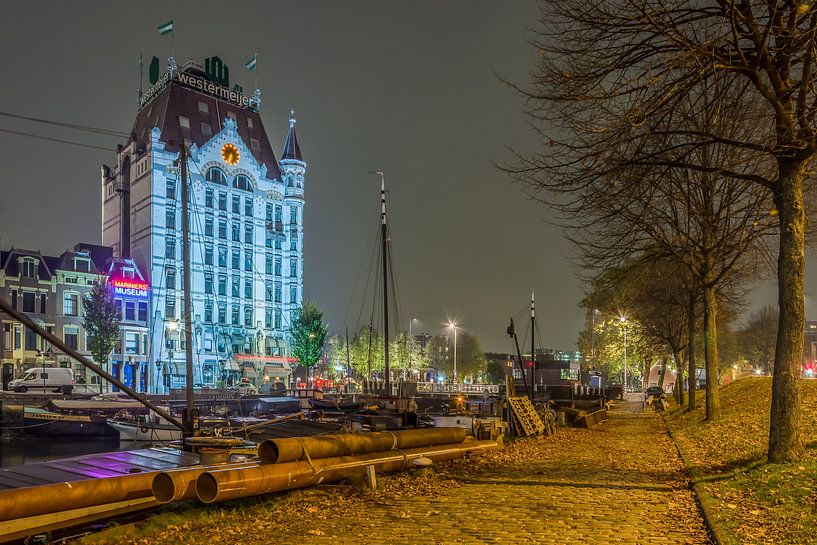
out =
column 194, row 83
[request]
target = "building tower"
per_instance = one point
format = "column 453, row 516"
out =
column 242, row 293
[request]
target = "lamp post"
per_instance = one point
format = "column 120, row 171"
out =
column 623, row 320
column 411, row 342
column 453, row 325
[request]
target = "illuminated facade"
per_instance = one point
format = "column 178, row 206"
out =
column 246, row 230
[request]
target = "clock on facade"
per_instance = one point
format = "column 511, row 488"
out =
column 230, row 154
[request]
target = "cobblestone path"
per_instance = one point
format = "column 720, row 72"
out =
column 620, row 483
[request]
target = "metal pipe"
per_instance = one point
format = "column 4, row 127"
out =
column 180, row 484
column 5, row 306
column 277, row 451
column 227, row 484
column 52, row 498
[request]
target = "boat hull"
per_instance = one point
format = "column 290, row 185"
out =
column 132, row 431
column 47, row 424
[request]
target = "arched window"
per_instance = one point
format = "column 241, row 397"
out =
column 242, row 182
column 216, row 176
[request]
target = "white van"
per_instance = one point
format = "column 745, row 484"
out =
column 45, row 379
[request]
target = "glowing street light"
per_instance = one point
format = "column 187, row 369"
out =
column 623, row 320
column 453, row 325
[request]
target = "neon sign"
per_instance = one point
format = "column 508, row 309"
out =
column 130, row 288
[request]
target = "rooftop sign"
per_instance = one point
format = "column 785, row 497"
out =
column 216, row 83
column 127, row 287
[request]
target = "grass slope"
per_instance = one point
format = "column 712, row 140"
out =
column 749, row 501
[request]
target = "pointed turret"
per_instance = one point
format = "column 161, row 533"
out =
column 291, row 149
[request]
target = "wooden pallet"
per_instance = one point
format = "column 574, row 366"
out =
column 528, row 421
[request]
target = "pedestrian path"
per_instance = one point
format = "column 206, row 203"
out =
column 621, row 483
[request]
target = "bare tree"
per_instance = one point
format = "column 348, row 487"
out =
column 611, row 72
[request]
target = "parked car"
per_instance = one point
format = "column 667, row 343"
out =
column 653, row 390
column 45, row 379
column 245, row 388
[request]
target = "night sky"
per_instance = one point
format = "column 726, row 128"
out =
column 407, row 88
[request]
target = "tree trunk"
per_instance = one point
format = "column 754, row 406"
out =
column 678, row 389
column 713, row 405
column 692, row 372
column 784, row 430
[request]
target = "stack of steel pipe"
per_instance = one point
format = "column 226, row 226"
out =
column 298, row 462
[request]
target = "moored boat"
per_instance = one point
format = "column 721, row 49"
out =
column 145, row 431
column 39, row 422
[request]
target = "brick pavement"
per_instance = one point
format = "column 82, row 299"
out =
column 621, row 483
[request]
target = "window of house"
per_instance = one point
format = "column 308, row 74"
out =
column 170, row 248
column 170, row 279
column 236, row 230
column 278, row 320
column 222, row 314
column 267, row 239
column 184, row 122
column 70, row 306
column 279, row 212
column 248, row 288
column 128, row 273
column 131, row 343
column 208, row 226
column 293, row 267
column 208, row 283
column 222, row 229
column 29, row 301
column 235, row 315
column 293, row 214
column 143, row 311
column 206, row 129
column 130, row 310
column 249, row 123
column 293, row 240
column 254, row 144
column 278, row 243
column 170, row 306
column 171, row 189
column 208, row 312
column 71, row 337
column 268, row 264
column 7, row 336
column 268, row 318
column 203, row 108
column 208, row 197
column 236, row 286
column 248, row 233
column 170, row 217
column 118, row 303
column 14, row 299
column 248, row 316
column 236, row 204
column 231, row 115
column 43, row 300
column 222, row 200
column 31, row 339
column 28, row 269
column 248, row 207
column 222, row 256
column 248, row 259
column 278, row 266
column 236, row 261
column 267, row 291
column 208, row 255
column 222, row 285
column 268, row 215
column 82, row 265
column 277, row 292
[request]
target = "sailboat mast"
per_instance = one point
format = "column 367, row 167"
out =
column 188, row 305
column 385, row 237
column 532, row 345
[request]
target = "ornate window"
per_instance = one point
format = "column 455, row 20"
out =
column 216, row 176
column 243, row 183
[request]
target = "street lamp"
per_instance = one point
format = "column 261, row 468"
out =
column 453, row 325
column 411, row 342
column 623, row 320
